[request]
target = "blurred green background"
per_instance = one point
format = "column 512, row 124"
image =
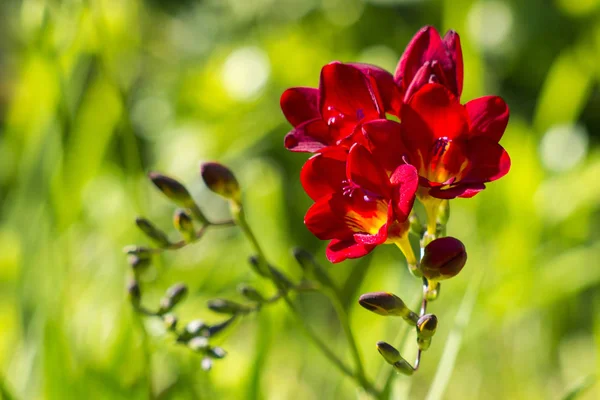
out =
column 94, row 94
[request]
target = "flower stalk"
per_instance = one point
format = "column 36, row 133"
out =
column 358, row 374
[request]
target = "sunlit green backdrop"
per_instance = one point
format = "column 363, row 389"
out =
column 94, row 94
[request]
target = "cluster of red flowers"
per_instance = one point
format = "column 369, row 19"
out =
column 380, row 140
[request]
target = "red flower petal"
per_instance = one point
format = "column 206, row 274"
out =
column 347, row 98
column 488, row 160
column 363, row 170
column 379, row 238
column 437, row 111
column 426, row 45
column 405, row 181
column 421, row 78
column 340, row 250
column 432, row 113
column 386, row 86
column 452, row 42
column 464, row 190
column 341, row 216
column 325, row 220
column 488, row 116
column 309, row 137
column 324, row 173
column 383, row 138
column 300, row 104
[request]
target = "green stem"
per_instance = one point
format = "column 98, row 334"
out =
column 345, row 322
column 147, row 353
column 359, row 376
column 450, row 352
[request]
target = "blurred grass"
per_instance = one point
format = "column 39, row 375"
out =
column 93, row 94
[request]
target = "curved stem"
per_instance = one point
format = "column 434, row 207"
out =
column 357, row 376
column 345, row 322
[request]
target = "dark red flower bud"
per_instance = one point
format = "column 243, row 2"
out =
column 443, row 259
column 426, row 327
column 384, row 303
column 220, row 180
column 171, row 188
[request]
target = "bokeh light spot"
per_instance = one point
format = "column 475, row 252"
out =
column 563, row 147
column 245, row 72
column 490, row 23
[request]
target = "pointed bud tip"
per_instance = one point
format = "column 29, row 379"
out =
column 384, row 303
column 388, row 352
column 224, row 306
column 301, row 255
column 220, row 180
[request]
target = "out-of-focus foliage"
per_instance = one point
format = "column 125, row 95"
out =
column 94, row 94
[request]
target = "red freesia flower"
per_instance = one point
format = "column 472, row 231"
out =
column 454, row 147
column 348, row 95
column 427, row 59
column 357, row 204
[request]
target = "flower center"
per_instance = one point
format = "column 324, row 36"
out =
column 369, row 210
column 350, row 188
column 438, row 164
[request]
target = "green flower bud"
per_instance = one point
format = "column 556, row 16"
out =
column 139, row 251
column 138, row 264
column 273, row 273
column 443, row 258
column 282, row 281
column 174, row 295
column 216, row 352
column 304, row 259
column 251, row 293
column 194, row 328
column 221, row 180
column 404, row 367
column 224, row 306
column 198, row 343
column 171, row 188
column 257, row 266
column 184, row 224
column 170, row 321
column 426, row 326
column 384, row 303
column 177, row 193
column 388, row 352
column 153, row 233
column 214, row 330
column 312, row 268
column 393, row 357
column 135, row 293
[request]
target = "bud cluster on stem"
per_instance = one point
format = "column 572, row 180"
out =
column 441, row 258
column 196, row 335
